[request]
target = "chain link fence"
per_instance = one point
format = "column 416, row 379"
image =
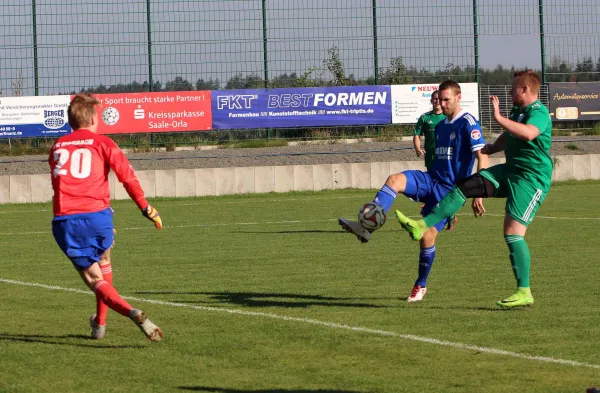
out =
column 64, row 46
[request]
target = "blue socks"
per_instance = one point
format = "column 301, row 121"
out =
column 426, row 258
column 385, row 198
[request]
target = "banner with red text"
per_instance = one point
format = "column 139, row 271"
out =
column 128, row 113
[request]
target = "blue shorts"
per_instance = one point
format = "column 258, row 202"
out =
column 421, row 187
column 84, row 237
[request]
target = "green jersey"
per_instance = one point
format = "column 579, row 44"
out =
column 426, row 127
column 531, row 159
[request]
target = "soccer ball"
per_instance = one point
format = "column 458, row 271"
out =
column 110, row 116
column 371, row 216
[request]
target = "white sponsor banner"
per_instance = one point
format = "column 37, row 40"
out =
column 409, row 102
column 34, row 116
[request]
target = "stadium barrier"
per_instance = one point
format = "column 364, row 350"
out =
column 266, row 179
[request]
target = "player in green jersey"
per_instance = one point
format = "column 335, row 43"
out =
column 524, row 180
column 426, row 127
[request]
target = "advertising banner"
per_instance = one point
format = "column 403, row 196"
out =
column 409, row 102
column 42, row 116
column 154, row 112
column 301, row 107
column 574, row 101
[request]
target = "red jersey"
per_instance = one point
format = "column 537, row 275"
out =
column 79, row 165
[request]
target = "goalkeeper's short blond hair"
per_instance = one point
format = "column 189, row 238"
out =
column 81, row 110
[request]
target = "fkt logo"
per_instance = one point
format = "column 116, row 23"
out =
column 242, row 101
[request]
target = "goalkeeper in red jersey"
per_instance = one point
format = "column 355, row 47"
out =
column 82, row 226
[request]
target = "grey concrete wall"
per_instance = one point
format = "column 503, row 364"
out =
column 248, row 180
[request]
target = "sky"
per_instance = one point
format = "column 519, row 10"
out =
column 85, row 43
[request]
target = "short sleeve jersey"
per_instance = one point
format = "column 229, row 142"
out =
column 531, row 159
column 456, row 142
column 426, row 127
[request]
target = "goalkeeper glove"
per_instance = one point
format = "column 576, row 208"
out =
column 152, row 214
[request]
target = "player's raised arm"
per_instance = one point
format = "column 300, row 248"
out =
column 126, row 175
column 526, row 132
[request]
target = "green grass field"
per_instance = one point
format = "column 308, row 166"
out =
column 264, row 293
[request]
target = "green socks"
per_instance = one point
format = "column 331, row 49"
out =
column 520, row 258
column 447, row 207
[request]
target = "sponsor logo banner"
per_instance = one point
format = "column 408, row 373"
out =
column 575, row 101
column 154, row 112
column 301, row 107
column 409, row 102
column 42, row 116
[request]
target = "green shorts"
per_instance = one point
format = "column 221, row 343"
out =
column 523, row 196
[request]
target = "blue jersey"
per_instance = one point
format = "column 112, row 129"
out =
column 456, row 141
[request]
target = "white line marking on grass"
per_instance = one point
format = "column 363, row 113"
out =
column 211, row 202
column 229, row 224
column 277, row 223
column 332, row 325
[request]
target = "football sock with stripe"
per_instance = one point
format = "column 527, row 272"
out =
column 385, row 198
column 109, row 295
column 520, row 259
column 426, row 257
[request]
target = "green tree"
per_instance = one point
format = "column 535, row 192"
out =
column 396, row 73
column 178, row 84
column 251, row 81
column 201, row 84
column 335, row 66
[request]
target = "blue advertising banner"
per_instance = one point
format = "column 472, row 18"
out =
column 43, row 116
column 301, row 107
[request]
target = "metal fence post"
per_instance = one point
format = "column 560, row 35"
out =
column 542, row 41
column 149, row 30
column 35, row 48
column 476, row 40
column 265, row 46
column 375, row 47
column 265, row 51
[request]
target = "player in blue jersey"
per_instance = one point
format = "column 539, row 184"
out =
column 458, row 142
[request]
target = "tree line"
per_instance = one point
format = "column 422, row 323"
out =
column 333, row 73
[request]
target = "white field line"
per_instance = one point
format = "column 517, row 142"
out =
column 205, row 203
column 277, row 223
column 332, row 325
column 183, row 226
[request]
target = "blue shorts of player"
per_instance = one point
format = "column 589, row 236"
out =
column 84, row 237
column 422, row 187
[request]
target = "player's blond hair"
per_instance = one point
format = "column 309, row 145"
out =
column 528, row 78
column 450, row 84
column 81, row 110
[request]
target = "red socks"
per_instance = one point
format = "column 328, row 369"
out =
column 101, row 308
column 110, row 297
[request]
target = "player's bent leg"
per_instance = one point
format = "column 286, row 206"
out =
column 520, row 259
column 475, row 186
column 426, row 258
column 397, row 182
column 386, row 196
column 109, row 295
